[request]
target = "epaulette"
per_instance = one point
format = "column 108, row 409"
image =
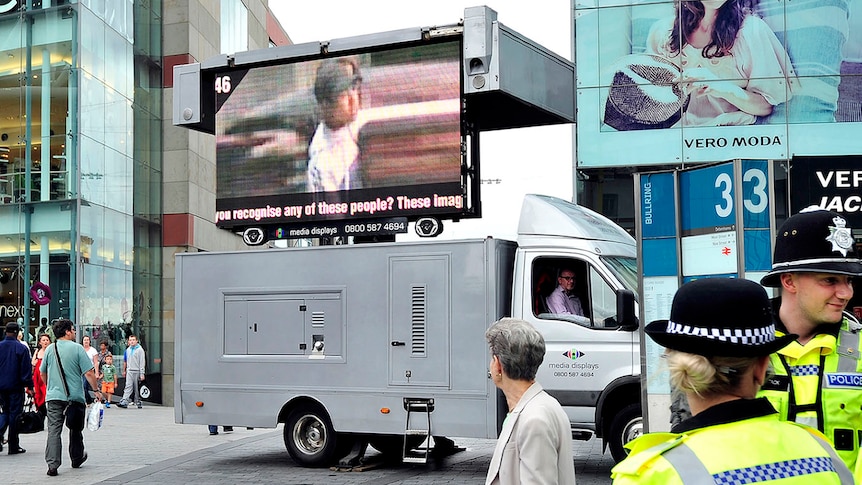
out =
column 645, row 449
column 853, row 324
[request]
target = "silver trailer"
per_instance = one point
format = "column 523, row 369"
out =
column 384, row 343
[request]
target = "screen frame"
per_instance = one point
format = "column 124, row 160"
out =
column 264, row 206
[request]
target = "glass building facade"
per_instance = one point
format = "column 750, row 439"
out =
column 81, row 167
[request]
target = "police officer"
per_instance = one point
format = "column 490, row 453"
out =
column 718, row 341
column 818, row 377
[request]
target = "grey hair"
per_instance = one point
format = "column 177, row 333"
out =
column 518, row 345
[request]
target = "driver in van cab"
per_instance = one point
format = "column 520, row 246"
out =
column 563, row 300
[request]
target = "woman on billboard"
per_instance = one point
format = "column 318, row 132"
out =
column 732, row 64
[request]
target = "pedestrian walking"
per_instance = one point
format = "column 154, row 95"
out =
column 134, row 370
column 64, row 363
column 16, row 378
column 535, row 444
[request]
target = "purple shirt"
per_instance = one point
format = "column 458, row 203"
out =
column 561, row 303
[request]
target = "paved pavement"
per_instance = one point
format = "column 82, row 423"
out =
column 145, row 446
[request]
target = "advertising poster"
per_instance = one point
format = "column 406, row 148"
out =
column 768, row 79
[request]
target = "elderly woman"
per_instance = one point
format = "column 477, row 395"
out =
column 719, row 338
column 535, row 445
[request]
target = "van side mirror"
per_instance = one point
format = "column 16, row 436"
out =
column 628, row 321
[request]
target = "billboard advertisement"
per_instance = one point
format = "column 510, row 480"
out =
column 369, row 135
column 833, row 183
column 666, row 82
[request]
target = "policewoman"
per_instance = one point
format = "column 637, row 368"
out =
column 718, row 341
column 818, row 376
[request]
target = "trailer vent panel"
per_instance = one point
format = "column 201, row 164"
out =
column 418, row 321
column 318, row 319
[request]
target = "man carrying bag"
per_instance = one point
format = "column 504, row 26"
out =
column 64, row 363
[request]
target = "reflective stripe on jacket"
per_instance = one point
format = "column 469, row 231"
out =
column 755, row 450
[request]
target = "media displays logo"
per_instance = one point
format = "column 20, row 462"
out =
column 573, row 354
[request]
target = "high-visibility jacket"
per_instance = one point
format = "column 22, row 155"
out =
column 819, row 384
column 754, row 450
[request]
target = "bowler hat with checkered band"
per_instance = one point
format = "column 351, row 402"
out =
column 724, row 317
column 813, row 241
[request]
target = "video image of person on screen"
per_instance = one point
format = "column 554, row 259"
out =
column 334, row 151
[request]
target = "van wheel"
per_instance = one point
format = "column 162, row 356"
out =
column 627, row 425
column 309, row 437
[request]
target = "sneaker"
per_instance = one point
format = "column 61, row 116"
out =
column 52, row 472
column 107, row 404
column 228, row 429
column 213, row 433
column 140, row 406
column 123, row 404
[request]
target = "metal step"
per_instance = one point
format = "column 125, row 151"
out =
column 425, row 406
column 415, row 459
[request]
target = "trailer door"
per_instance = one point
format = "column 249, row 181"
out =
column 264, row 327
column 419, row 320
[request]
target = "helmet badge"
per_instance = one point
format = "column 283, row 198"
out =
column 840, row 236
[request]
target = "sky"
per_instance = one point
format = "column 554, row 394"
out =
column 528, row 160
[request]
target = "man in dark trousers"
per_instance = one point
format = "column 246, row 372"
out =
column 16, row 378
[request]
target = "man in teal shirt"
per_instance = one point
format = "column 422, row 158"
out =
column 66, row 390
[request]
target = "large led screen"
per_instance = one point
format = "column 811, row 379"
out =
column 664, row 82
column 364, row 136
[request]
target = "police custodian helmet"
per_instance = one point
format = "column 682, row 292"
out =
column 813, row 241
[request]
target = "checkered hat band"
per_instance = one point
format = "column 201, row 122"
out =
column 743, row 336
column 805, row 370
column 804, row 262
column 775, row 471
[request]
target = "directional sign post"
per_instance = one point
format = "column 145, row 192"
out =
column 705, row 222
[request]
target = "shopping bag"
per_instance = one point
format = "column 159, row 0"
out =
column 97, row 414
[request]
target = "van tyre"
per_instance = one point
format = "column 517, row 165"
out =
column 626, row 426
column 309, row 437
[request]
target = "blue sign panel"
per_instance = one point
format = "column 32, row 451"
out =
column 658, row 214
column 758, row 250
column 755, row 194
column 706, row 200
column 659, row 257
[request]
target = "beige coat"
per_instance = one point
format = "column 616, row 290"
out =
column 535, row 445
